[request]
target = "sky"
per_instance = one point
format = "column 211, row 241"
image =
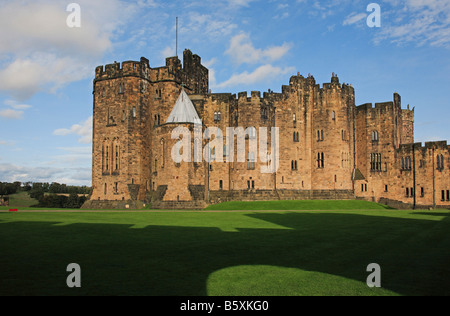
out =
column 47, row 67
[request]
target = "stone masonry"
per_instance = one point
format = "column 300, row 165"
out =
column 329, row 148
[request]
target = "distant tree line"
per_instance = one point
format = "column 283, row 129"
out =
column 49, row 194
column 72, row 201
column 9, row 188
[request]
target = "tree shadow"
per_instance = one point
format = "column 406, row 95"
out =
column 177, row 261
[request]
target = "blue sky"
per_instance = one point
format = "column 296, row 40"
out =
column 47, row 68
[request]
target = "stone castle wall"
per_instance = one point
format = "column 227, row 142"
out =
column 329, row 148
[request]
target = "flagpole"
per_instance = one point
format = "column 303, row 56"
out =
column 176, row 49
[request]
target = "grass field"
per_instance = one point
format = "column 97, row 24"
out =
column 226, row 253
column 22, row 199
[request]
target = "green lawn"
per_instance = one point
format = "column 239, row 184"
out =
column 21, row 199
column 226, row 253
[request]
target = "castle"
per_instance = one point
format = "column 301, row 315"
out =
column 328, row 147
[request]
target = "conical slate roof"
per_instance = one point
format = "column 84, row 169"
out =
column 184, row 111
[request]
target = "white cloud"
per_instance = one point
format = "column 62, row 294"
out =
column 240, row 3
column 11, row 114
column 242, row 51
column 423, row 22
column 16, row 106
column 83, row 129
column 71, row 176
column 261, row 74
column 354, row 18
column 209, row 25
column 41, row 53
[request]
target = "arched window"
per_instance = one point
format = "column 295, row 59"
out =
column 215, row 117
column 219, row 116
column 333, row 116
column 375, row 136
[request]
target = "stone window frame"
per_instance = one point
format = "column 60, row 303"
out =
column 122, row 88
column 321, row 160
column 440, row 162
column 320, row 136
column 251, row 160
column 296, row 137
column 375, row 136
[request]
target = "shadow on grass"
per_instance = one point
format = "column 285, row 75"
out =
column 177, row 261
column 443, row 213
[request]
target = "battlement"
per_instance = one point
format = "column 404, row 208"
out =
column 126, row 68
column 424, row 147
column 192, row 73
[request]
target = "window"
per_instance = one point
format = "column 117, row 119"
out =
column 116, row 187
column 448, row 195
column 220, row 185
column 386, row 188
column 124, row 116
column 251, row 132
column 320, row 160
column 121, row 88
column 217, row 116
column 320, row 136
column 106, row 188
column 422, row 192
column 407, row 192
column 443, row 195
column 294, row 118
column 364, row 187
column 296, row 137
column 333, row 116
column 440, row 162
column 375, row 162
column 251, row 161
column 107, row 158
column 253, row 184
column 134, row 112
column 375, row 136
column 406, row 163
column 294, row 165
